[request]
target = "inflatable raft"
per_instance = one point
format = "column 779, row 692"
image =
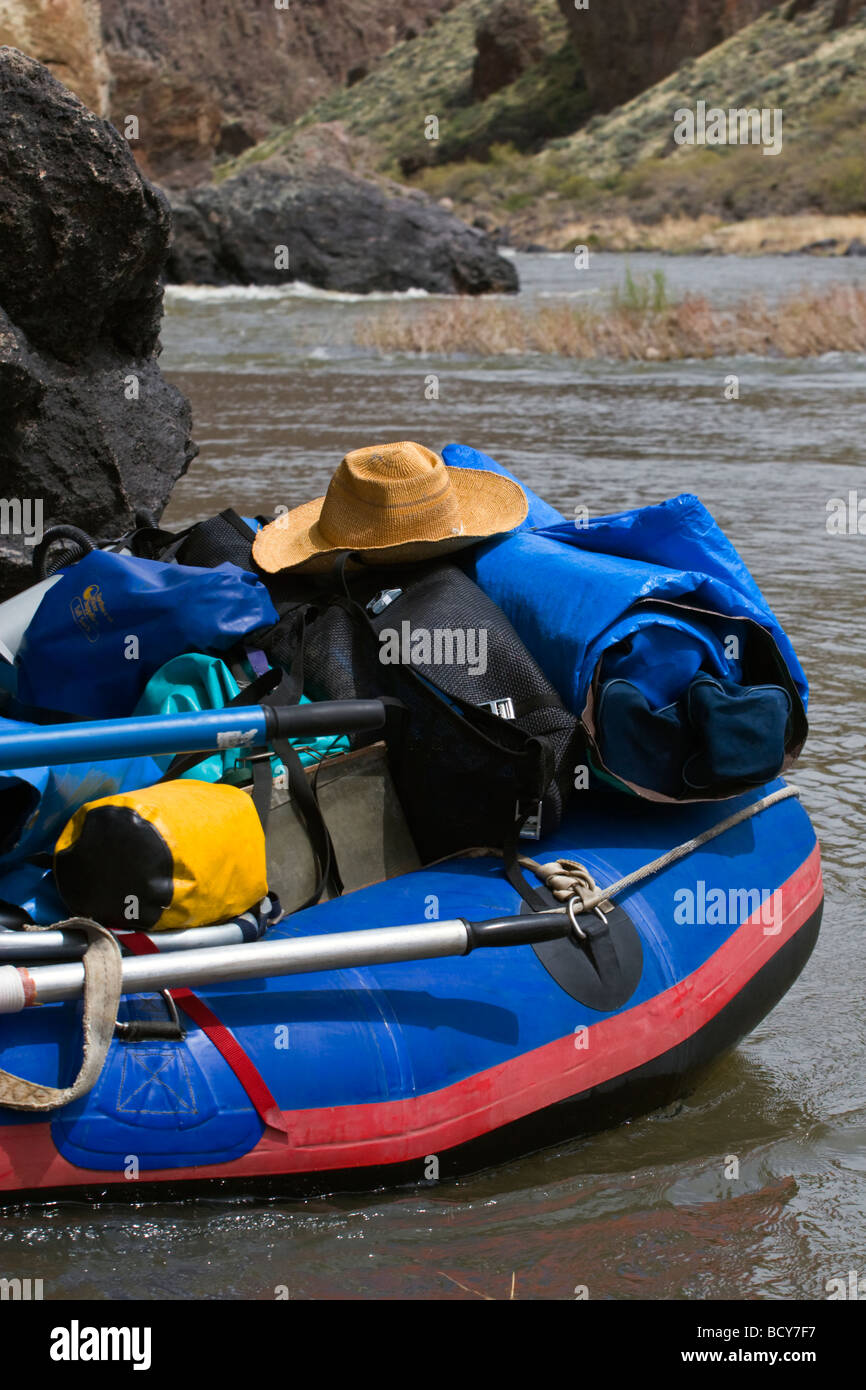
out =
column 369, row 1040
column 403, row 1072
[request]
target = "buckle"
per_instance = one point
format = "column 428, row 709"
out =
column 504, row 707
column 380, row 601
column 531, row 828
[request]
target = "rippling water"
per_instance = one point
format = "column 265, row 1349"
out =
column 644, row 1211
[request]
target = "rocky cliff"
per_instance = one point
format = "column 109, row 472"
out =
column 89, row 428
column 65, row 35
column 627, row 46
column 207, row 77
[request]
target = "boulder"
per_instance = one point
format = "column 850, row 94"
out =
column 856, row 248
column 89, row 428
column 508, row 41
column 272, row 224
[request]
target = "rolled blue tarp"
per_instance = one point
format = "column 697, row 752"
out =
column 657, row 597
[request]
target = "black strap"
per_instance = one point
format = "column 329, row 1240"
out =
column 252, row 694
column 263, row 781
column 533, row 703
column 231, row 516
column 514, row 873
column 284, row 647
column 308, row 808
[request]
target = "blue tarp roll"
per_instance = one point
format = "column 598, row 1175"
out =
column 590, row 595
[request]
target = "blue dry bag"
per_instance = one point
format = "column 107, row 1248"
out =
column 101, row 632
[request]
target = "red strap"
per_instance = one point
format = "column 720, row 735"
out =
column 222, row 1038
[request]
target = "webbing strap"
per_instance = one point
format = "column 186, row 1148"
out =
column 252, row 694
column 223, row 1040
column 318, row 834
column 102, row 984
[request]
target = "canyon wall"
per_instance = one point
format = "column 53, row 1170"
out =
column 207, row 77
column 628, row 45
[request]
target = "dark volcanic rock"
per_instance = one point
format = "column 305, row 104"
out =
column 88, row 426
column 341, row 232
column 856, row 248
column 508, row 41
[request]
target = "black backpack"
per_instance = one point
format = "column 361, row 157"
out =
column 481, row 747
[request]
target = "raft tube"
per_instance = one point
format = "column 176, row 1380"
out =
column 372, row 1074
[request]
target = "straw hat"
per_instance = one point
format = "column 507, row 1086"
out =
column 395, row 503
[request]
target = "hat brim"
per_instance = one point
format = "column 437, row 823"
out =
column 489, row 505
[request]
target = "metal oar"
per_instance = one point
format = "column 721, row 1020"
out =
column 200, row 731
column 21, row 988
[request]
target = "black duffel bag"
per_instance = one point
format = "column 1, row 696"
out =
column 481, row 747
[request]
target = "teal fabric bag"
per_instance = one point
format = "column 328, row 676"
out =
column 194, row 681
column 190, row 682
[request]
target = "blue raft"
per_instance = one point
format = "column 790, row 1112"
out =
column 367, row 1074
column 363, row 1076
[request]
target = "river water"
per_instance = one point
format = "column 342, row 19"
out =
column 280, row 393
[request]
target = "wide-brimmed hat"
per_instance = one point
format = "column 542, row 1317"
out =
column 393, row 503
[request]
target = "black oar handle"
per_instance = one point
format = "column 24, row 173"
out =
column 324, row 717
column 518, row 931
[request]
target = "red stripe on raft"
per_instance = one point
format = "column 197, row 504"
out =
column 355, row 1136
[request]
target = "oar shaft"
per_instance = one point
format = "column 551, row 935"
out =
column 29, row 946
column 150, row 734
column 197, row 731
column 49, row 984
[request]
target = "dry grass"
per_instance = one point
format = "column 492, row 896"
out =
column 774, row 234
column 752, row 236
column 804, row 325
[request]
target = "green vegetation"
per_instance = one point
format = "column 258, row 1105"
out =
column 432, row 75
column 534, row 157
column 648, row 294
column 626, row 163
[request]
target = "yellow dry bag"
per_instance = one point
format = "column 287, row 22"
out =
column 179, row 854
